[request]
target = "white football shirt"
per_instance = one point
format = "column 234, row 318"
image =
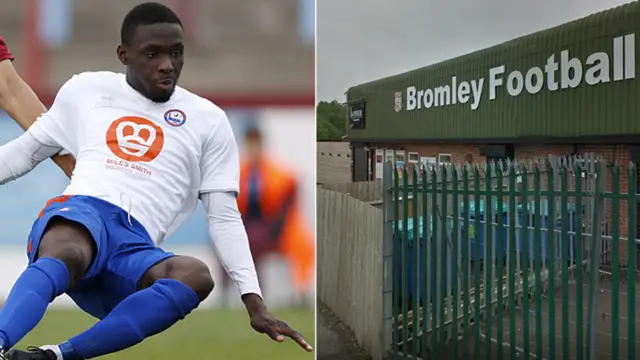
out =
column 151, row 159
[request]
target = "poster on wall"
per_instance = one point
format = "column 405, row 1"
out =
column 388, row 155
column 400, row 162
column 379, row 163
column 400, row 168
column 357, row 116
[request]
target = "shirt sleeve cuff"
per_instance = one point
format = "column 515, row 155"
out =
column 221, row 186
column 251, row 289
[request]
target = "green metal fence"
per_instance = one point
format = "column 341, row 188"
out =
column 532, row 260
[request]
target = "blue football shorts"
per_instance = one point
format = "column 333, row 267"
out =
column 124, row 253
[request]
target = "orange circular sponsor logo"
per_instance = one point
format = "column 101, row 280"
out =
column 135, row 139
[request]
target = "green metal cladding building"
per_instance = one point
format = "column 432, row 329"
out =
column 567, row 90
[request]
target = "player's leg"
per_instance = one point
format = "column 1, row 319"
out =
column 141, row 289
column 61, row 252
column 167, row 292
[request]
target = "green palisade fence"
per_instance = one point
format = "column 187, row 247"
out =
column 514, row 260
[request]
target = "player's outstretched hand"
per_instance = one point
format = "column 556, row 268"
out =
column 265, row 323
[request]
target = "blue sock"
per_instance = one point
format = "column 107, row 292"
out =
column 38, row 285
column 142, row 314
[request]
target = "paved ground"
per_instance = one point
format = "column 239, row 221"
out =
column 602, row 325
column 335, row 340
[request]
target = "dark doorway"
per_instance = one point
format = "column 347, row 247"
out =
column 360, row 163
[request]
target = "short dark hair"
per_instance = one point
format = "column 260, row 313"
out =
column 146, row 14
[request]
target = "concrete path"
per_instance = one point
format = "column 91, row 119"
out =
column 335, row 340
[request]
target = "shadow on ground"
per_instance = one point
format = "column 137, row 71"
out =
column 335, row 341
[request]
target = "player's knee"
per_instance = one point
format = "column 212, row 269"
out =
column 195, row 274
column 189, row 271
column 70, row 244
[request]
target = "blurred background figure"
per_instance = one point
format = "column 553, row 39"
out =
column 253, row 59
column 269, row 203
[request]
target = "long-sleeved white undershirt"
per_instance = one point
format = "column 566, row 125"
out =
column 230, row 240
column 21, row 155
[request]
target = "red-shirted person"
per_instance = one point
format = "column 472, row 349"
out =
column 21, row 103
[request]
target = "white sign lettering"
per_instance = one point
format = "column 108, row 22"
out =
column 567, row 72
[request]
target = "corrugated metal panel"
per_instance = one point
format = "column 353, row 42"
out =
column 604, row 109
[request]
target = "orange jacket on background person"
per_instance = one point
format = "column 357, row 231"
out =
column 277, row 201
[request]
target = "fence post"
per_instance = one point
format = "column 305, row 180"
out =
column 596, row 252
column 387, row 259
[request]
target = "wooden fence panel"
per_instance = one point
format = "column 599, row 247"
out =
column 349, row 242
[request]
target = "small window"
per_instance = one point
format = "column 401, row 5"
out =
column 444, row 159
column 414, row 157
column 348, row 155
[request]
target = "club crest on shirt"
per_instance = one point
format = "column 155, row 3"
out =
column 175, row 117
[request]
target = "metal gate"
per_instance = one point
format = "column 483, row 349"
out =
column 532, row 260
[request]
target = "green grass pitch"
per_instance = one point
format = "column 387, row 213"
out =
column 203, row 335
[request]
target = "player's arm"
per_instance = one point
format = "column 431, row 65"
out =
column 231, row 242
column 44, row 138
column 23, row 105
column 21, row 155
column 220, row 184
